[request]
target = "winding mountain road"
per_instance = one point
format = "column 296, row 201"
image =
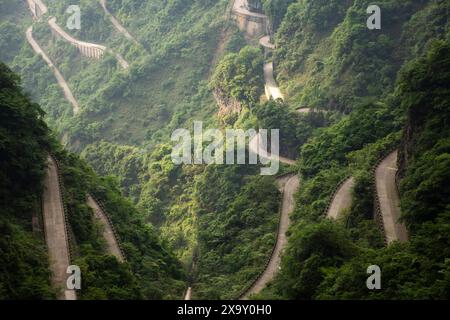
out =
column 342, row 200
column 188, row 295
column 59, row 78
column 117, row 24
column 265, row 42
column 56, row 231
column 53, row 211
column 90, row 50
column 271, row 88
column 389, row 200
column 288, row 184
column 112, row 243
column 240, row 7
column 287, row 207
column 256, row 145
column 37, row 7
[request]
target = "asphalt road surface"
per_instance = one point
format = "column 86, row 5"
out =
column 342, row 199
column 55, row 232
column 389, row 199
column 287, row 207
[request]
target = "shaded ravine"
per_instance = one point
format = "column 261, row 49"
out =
column 287, row 207
column 112, row 243
column 117, row 24
column 55, row 230
column 389, row 200
column 342, row 199
column 59, row 78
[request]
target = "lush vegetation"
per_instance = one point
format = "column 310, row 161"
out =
column 23, row 141
column 328, row 58
column 239, row 76
column 370, row 92
column 236, row 229
column 165, row 87
column 125, row 115
column 151, row 271
column 324, row 260
column 208, row 228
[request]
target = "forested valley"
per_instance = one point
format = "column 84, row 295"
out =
column 345, row 99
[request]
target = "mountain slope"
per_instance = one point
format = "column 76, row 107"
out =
column 151, row 272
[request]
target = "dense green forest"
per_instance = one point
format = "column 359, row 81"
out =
column 212, row 227
column 125, row 107
column 23, row 139
column 151, row 271
column 327, row 58
column 325, row 260
column 393, row 84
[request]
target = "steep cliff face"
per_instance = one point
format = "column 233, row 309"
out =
column 227, row 105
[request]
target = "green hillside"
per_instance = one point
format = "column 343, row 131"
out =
column 328, row 261
column 151, row 272
column 351, row 96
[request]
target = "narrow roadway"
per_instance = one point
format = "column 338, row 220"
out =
column 271, row 88
column 289, row 186
column 342, row 200
column 112, row 244
column 256, row 145
column 239, row 7
column 55, row 231
column 117, row 24
column 82, row 44
column 287, row 207
column 389, row 200
column 59, row 78
column 265, row 42
column 188, row 295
